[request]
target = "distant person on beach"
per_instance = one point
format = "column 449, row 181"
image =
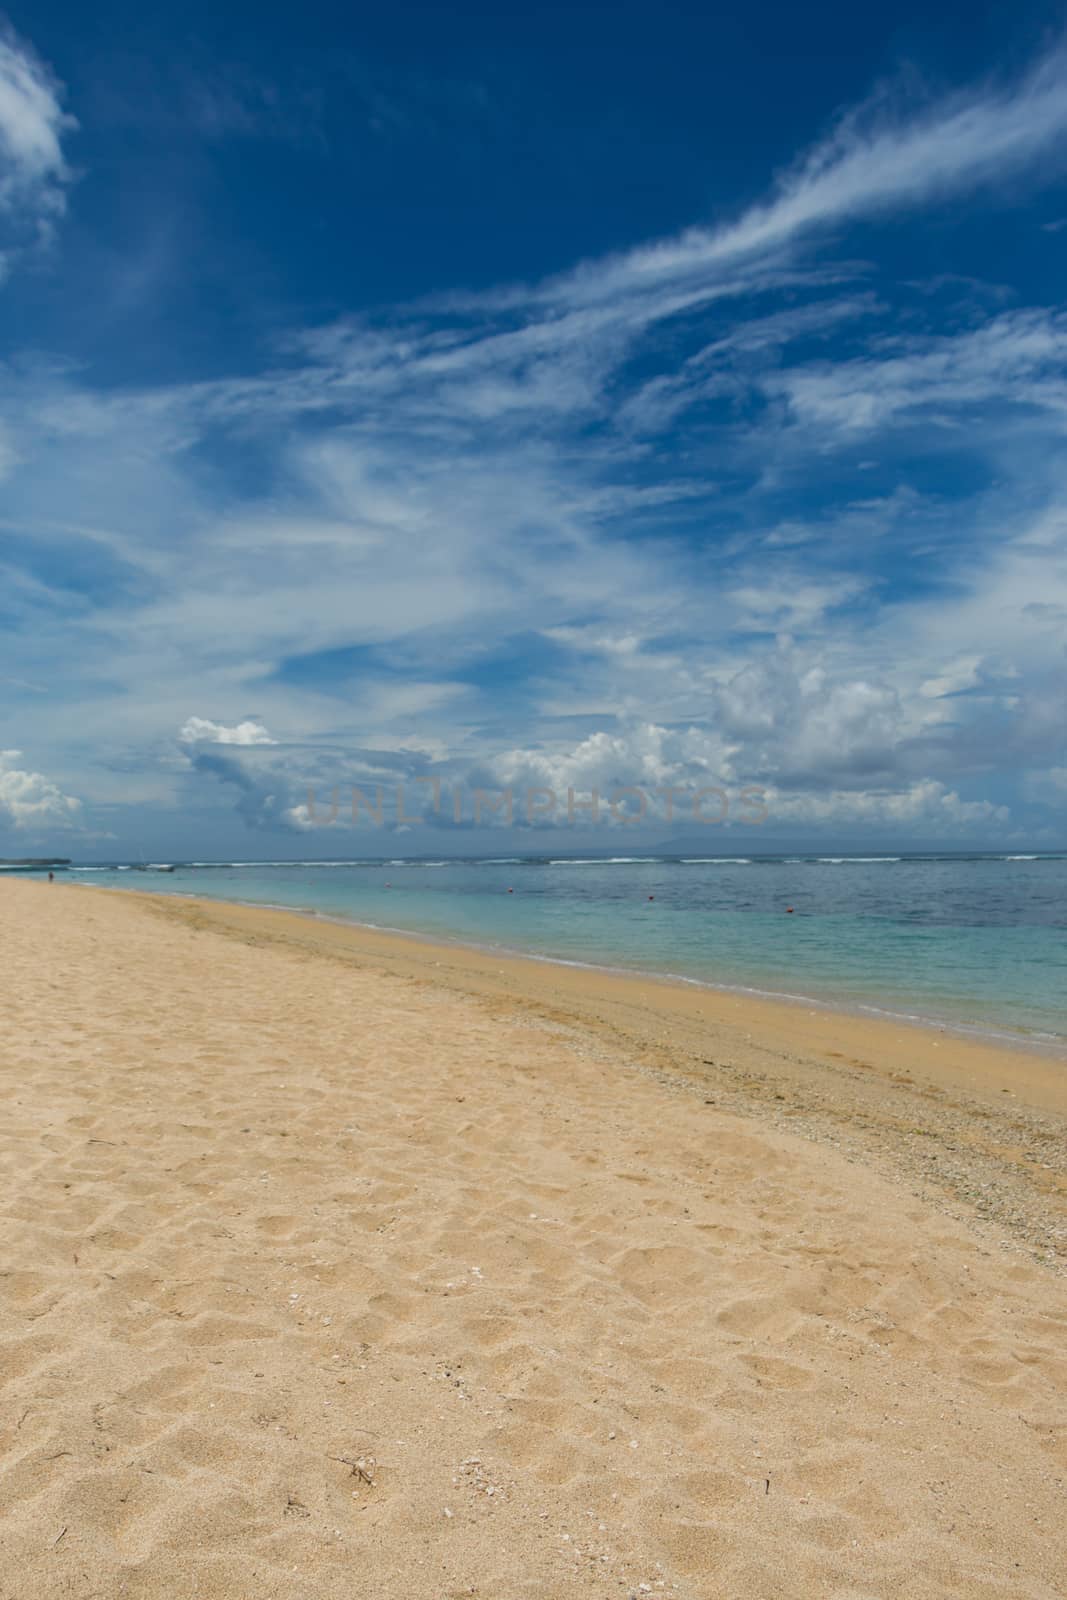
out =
column 51, row 877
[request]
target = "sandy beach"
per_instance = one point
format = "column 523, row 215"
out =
column 342, row 1264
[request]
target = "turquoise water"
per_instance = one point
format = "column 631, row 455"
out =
column 977, row 941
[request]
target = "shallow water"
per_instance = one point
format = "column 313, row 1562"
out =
column 970, row 940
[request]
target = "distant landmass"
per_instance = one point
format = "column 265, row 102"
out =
column 28, row 863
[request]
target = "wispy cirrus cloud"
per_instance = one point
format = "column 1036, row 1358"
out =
column 1016, row 359
column 34, row 173
column 614, row 522
column 886, row 156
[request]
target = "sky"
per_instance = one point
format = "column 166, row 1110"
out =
column 669, row 398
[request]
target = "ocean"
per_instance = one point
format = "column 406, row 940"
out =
column 970, row 941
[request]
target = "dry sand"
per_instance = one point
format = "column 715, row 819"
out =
column 339, row 1266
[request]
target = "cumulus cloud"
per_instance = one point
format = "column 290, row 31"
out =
column 29, row 799
column 201, row 730
column 646, row 755
column 795, row 719
column 819, row 776
column 926, row 804
column 261, row 799
column 840, row 768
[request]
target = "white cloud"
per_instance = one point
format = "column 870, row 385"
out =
column 953, row 678
column 926, row 804
column 796, row 719
column 489, row 482
column 878, row 159
column 780, row 605
column 652, row 758
column 1018, row 358
column 33, row 170
column 200, row 730
column 645, row 756
column 29, row 799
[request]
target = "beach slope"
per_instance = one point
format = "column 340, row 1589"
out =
column 331, row 1271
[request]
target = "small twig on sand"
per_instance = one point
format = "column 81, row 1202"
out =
column 59, row 1536
column 358, row 1470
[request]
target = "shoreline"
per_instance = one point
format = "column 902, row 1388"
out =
column 980, row 1127
column 1033, row 1040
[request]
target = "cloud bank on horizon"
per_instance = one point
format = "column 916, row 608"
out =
column 776, row 500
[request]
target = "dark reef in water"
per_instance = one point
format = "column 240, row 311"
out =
column 31, row 862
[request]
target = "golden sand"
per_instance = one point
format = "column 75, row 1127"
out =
column 337, row 1265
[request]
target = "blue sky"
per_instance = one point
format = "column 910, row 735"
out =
column 652, row 396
